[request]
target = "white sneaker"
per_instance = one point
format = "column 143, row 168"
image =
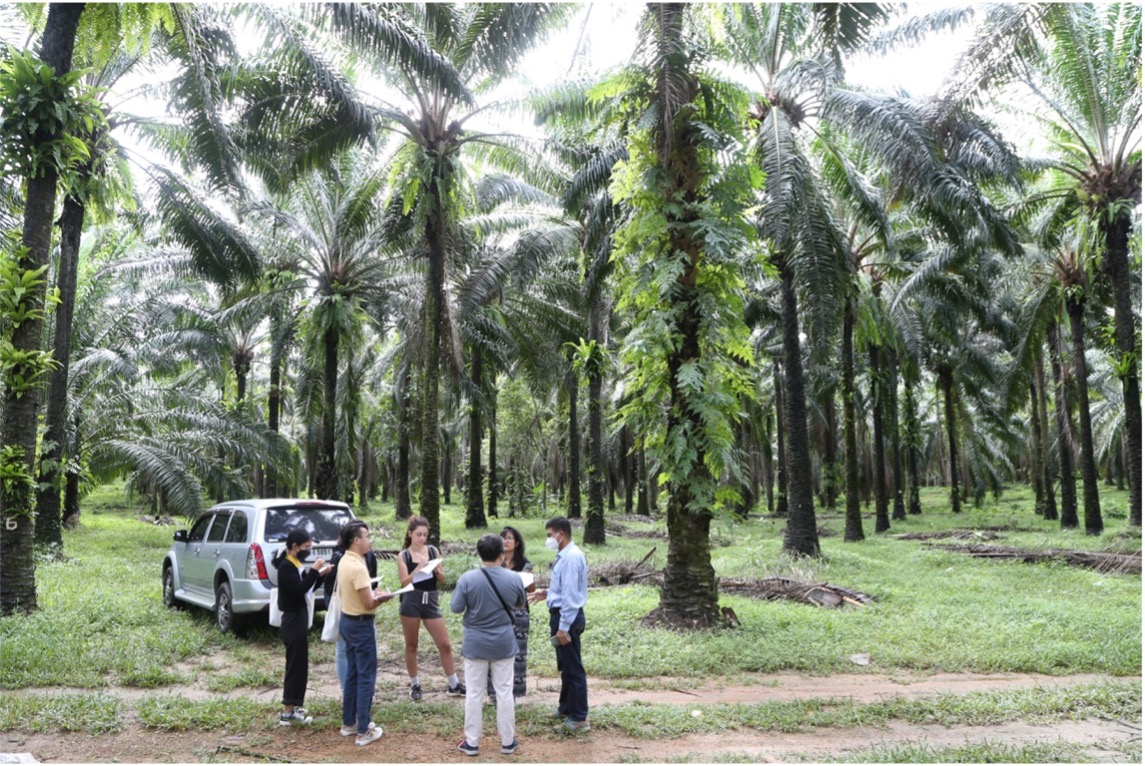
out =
column 372, row 734
column 349, row 731
column 298, row 715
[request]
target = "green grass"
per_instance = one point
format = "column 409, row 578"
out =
column 986, row 751
column 93, row 713
column 1039, row 705
column 102, row 622
column 169, row 712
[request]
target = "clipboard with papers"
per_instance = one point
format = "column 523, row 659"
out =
column 426, row 571
column 526, row 578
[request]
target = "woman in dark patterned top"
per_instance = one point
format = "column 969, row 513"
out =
column 514, row 558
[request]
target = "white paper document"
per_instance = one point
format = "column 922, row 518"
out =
column 526, row 578
column 406, row 589
column 426, row 572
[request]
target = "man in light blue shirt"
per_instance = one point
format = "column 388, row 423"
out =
column 566, row 596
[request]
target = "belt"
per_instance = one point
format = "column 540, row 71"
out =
column 357, row 616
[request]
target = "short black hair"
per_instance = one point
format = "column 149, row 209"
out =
column 489, row 547
column 349, row 533
column 560, row 524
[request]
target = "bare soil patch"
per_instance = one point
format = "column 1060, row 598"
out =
column 321, row 743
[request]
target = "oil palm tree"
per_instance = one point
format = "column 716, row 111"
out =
column 335, row 232
column 1081, row 64
column 679, row 248
column 440, row 55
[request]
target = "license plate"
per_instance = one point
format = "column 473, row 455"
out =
column 320, row 553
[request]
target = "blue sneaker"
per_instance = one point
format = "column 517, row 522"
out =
column 510, row 748
column 467, row 748
column 575, row 727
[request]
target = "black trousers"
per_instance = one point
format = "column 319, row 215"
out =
column 294, row 633
column 573, row 703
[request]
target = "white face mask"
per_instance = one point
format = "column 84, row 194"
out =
column 551, row 544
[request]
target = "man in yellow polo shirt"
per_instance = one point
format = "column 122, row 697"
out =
column 359, row 602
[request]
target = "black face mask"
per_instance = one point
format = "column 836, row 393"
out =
column 302, row 555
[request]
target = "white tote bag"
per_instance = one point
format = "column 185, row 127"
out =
column 275, row 612
column 333, row 616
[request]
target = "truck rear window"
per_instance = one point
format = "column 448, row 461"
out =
column 323, row 524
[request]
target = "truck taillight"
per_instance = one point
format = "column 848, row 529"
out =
column 256, row 564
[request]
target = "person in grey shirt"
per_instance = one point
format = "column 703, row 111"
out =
column 487, row 597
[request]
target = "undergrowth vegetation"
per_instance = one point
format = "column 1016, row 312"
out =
column 102, row 625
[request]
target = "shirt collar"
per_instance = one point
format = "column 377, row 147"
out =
column 292, row 560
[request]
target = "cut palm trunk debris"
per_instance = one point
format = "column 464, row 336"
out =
column 951, row 534
column 768, row 588
column 1109, row 563
column 785, row 588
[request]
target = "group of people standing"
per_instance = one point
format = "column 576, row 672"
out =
column 492, row 599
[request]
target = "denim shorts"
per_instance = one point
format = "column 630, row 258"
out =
column 421, row 604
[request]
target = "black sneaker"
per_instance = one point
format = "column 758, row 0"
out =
column 466, row 748
column 457, row 691
column 415, row 692
column 510, row 748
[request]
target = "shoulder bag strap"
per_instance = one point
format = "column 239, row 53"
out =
column 508, row 611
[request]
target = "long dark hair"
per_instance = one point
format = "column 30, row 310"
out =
column 296, row 536
column 519, row 560
column 414, row 523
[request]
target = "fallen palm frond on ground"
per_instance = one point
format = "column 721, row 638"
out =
column 768, row 588
column 624, row 572
column 1110, row 563
column 951, row 534
column 785, row 588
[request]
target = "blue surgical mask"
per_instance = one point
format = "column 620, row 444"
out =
column 551, row 544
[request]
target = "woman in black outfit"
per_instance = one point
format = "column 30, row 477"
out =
column 514, row 558
column 293, row 585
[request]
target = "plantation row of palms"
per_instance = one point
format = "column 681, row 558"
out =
column 719, row 274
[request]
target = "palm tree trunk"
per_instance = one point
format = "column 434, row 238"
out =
column 1124, row 323
column 572, row 384
column 402, row 506
column 830, row 468
column 768, row 460
column 642, row 503
column 430, row 500
column 493, row 451
column 628, row 468
column 1075, row 307
column 1051, row 508
column 801, row 536
column 853, row 529
column 898, row 505
column 882, row 517
column 1037, row 474
column 1061, row 415
column 474, row 499
column 50, row 481
column 18, row 422
column 781, row 445
column 326, row 478
column 946, row 383
column 594, row 522
column 914, row 505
